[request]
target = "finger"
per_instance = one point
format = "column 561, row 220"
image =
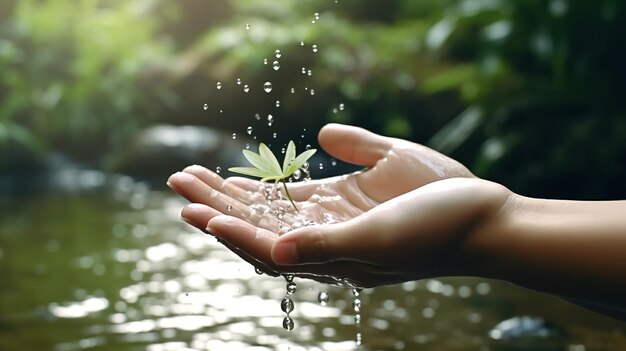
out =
column 198, row 215
column 216, row 182
column 353, row 144
column 244, row 183
column 255, row 241
column 254, row 245
column 354, row 240
column 194, row 190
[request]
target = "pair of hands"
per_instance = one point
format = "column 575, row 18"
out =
column 409, row 216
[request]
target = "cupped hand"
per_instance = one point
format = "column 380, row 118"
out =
column 251, row 229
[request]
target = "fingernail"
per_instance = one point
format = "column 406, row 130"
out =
column 285, row 253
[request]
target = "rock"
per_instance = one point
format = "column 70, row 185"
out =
column 528, row 333
column 164, row 149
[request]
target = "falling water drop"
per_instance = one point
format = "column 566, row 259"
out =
column 297, row 174
column 265, row 61
column 356, row 305
column 234, row 135
column 257, row 116
column 277, row 103
column 293, row 90
column 312, row 91
column 286, row 305
column 218, row 169
column 288, row 323
column 321, row 166
column 249, row 130
column 246, row 88
column 342, row 107
column 238, row 81
column 278, row 54
column 218, row 85
column 267, row 87
column 247, row 26
column 301, row 42
column 270, row 120
column 308, row 146
column 291, row 288
column 206, row 107
column 322, row 297
column 314, row 48
column 333, row 162
column 276, row 65
column 274, row 135
column 258, row 271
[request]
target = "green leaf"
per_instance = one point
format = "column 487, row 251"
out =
column 290, row 154
column 251, row 171
column 257, row 161
column 299, row 161
column 270, row 159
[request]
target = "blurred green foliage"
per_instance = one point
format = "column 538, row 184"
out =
column 72, row 72
column 528, row 93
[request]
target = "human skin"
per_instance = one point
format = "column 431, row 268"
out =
column 413, row 214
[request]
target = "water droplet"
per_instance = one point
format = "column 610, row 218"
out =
column 229, row 208
column 321, row 166
column 218, row 85
column 246, row 88
column 308, row 146
column 247, row 26
column 309, row 73
column 312, row 91
column 221, row 111
column 286, row 305
column 297, row 174
column 265, row 61
column 274, row 135
column 270, row 120
column 267, row 87
column 257, row 116
column 238, row 81
column 322, row 297
column 301, row 42
column 258, row 271
column 218, row 169
column 356, row 305
column 314, row 47
column 291, row 288
column 278, row 54
column 249, row 130
column 333, row 162
column 206, row 107
column 277, row 103
column 358, row 339
column 276, row 65
column 303, row 70
column 341, row 107
column 293, row 90
column 316, row 16
column 288, row 323
column 234, row 135
column 247, row 146
column 357, row 319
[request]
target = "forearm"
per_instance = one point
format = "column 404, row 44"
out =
column 570, row 248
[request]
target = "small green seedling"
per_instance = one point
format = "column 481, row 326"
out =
column 267, row 168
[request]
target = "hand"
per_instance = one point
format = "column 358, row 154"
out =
column 395, row 168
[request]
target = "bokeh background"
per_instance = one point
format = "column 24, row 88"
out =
column 101, row 100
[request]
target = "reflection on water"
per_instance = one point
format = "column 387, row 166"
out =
column 117, row 270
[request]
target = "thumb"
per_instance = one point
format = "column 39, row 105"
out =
column 321, row 244
column 353, row 144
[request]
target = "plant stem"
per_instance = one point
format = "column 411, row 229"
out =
column 289, row 196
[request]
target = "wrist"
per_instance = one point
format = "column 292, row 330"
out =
column 485, row 244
